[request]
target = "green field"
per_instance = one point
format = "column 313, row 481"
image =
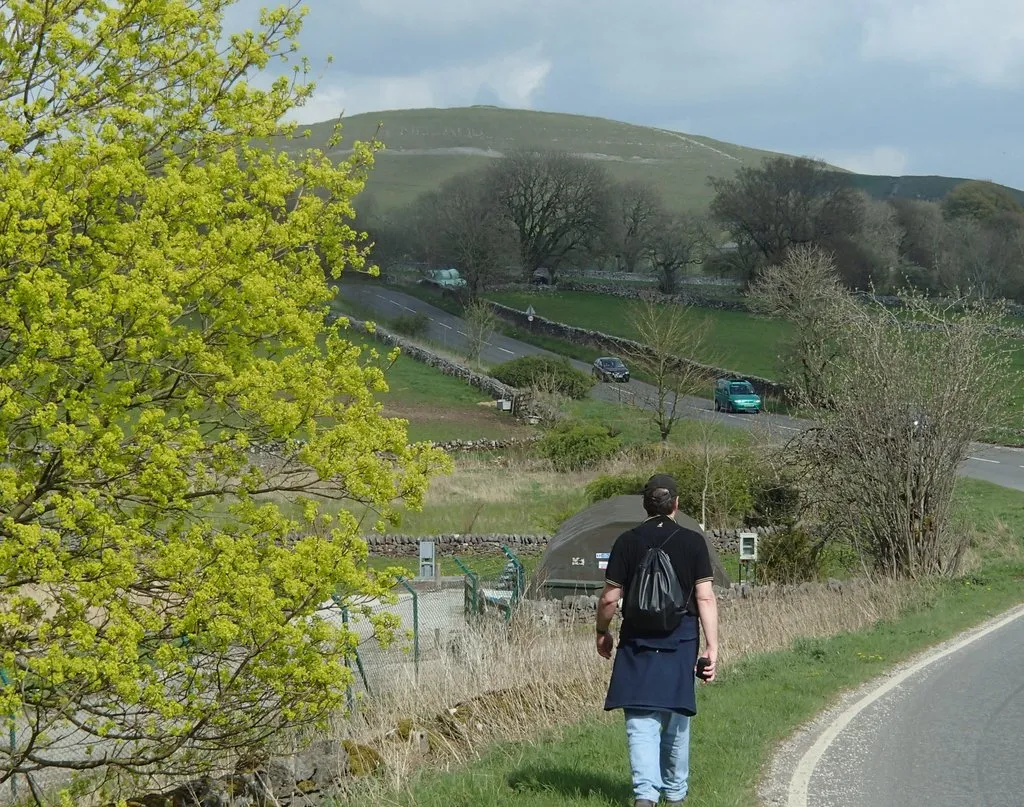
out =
column 736, row 340
column 424, row 147
column 437, row 406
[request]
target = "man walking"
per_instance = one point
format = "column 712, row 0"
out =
column 653, row 675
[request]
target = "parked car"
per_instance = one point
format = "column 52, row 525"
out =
column 610, row 368
column 444, row 278
column 736, row 395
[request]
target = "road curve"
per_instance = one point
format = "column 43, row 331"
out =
column 947, row 731
column 998, row 464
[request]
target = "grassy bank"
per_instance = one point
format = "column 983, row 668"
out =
column 437, row 406
column 736, row 340
column 791, row 657
column 586, row 764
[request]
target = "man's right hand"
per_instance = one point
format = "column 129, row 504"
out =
column 711, row 653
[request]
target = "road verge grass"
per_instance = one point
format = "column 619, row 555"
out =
column 785, row 658
column 757, row 702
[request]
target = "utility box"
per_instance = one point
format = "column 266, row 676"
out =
column 505, row 404
column 748, row 546
column 428, row 560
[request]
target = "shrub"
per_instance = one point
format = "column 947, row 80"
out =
column 740, row 489
column 788, row 556
column 776, row 501
column 608, row 485
column 551, row 373
column 574, row 445
column 415, row 324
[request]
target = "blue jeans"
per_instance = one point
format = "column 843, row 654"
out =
column 659, row 753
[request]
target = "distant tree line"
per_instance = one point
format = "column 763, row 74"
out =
column 544, row 209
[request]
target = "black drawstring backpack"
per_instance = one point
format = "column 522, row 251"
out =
column 655, row 603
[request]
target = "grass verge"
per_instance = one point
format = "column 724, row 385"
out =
column 586, row 764
column 790, row 655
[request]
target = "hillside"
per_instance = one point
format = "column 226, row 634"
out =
column 423, row 147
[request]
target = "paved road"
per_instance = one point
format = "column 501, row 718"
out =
column 950, row 734
column 1002, row 466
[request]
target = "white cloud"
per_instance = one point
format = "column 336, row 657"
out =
column 441, row 16
column 885, row 160
column 981, row 41
column 513, row 78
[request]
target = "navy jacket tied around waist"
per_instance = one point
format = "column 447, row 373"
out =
column 656, row 672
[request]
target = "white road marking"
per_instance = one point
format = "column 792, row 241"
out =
column 798, row 785
column 505, row 350
column 982, row 459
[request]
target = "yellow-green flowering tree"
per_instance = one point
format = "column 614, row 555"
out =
column 163, row 311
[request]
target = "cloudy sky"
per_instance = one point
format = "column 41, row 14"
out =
column 880, row 86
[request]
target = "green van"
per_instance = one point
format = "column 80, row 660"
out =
column 736, row 395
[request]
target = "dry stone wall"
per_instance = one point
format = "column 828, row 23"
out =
column 725, row 541
column 625, row 347
column 583, row 607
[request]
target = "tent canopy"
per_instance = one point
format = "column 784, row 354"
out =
column 577, row 555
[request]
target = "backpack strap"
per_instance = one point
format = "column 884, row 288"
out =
column 670, row 537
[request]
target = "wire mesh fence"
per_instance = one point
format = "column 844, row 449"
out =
column 425, row 616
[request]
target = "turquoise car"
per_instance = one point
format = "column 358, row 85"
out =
column 736, row 395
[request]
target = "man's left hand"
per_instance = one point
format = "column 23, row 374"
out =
column 604, row 645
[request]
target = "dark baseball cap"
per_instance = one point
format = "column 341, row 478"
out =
column 661, row 481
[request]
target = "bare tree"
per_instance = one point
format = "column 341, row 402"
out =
column 667, row 335
column 675, row 241
column 783, row 202
column 805, row 289
column 557, row 204
column 637, row 208
column 907, row 402
column 481, row 321
column 463, row 224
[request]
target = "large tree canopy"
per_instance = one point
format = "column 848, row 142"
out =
column 163, row 309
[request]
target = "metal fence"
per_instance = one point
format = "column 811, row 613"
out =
column 428, row 616
column 12, row 734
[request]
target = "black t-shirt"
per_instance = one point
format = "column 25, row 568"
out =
column 686, row 548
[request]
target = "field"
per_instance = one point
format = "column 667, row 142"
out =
column 736, row 340
column 439, row 407
column 424, row 147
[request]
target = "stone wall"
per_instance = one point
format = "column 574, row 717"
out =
column 583, row 608
column 639, row 293
column 725, row 542
column 624, row 347
column 486, row 445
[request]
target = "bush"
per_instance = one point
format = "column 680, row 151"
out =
column 415, row 324
column 607, row 486
column 550, row 373
column 575, row 445
column 788, row 556
column 740, row 489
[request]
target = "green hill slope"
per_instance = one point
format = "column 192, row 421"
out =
column 423, row 147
